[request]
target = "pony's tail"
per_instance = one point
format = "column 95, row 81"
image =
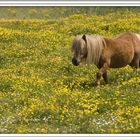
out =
column 138, row 36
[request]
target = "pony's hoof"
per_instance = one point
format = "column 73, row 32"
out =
column 97, row 83
column 106, row 82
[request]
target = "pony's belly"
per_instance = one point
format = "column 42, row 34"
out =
column 118, row 62
column 117, row 65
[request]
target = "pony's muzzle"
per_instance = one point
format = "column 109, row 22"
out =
column 75, row 61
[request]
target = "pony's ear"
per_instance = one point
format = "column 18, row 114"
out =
column 84, row 38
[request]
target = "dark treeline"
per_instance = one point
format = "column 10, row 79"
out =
column 58, row 12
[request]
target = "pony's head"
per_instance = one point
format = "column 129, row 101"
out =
column 79, row 47
column 87, row 49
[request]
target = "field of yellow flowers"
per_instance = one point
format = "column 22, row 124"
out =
column 42, row 92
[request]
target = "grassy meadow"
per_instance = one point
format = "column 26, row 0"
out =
column 42, row 92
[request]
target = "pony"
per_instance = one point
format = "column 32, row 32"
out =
column 116, row 52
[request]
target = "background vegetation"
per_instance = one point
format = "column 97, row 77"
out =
column 42, row 92
column 58, row 12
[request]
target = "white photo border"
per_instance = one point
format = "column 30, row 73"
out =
column 29, row 3
column 70, row 136
column 70, row 3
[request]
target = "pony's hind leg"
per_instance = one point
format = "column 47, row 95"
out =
column 135, row 62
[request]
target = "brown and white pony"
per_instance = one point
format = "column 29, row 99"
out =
column 107, row 53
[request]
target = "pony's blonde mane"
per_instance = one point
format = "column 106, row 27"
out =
column 95, row 45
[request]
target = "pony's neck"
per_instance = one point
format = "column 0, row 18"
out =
column 108, row 41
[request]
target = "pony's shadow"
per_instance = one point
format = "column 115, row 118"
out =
column 87, row 84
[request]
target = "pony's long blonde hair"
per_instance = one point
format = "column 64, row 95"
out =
column 95, row 45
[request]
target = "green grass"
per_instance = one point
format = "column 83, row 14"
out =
column 42, row 92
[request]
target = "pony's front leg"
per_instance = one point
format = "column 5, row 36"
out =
column 105, row 77
column 102, row 72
